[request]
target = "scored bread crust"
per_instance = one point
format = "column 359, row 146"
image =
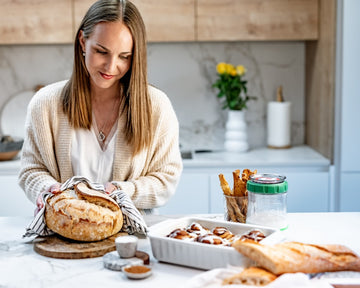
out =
column 251, row 276
column 83, row 214
column 292, row 257
column 96, row 197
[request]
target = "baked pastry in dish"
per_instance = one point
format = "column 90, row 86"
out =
column 180, row 234
column 217, row 236
column 223, row 233
column 210, row 239
column 255, row 235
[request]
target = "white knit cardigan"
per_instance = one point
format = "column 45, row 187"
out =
column 150, row 178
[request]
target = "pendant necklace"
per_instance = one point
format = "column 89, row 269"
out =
column 101, row 135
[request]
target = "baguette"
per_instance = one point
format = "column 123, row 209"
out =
column 292, row 257
column 251, row 276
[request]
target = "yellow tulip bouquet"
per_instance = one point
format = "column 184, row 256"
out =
column 232, row 86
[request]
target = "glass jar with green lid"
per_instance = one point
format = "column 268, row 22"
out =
column 267, row 194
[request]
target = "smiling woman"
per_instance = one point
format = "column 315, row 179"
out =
column 107, row 59
column 105, row 123
column 107, row 55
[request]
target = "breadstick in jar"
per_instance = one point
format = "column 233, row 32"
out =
column 237, row 183
column 225, row 185
column 247, row 173
column 239, row 216
column 230, row 211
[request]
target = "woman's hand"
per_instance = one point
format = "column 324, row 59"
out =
column 109, row 188
column 54, row 189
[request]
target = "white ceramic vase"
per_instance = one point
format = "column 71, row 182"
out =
column 236, row 132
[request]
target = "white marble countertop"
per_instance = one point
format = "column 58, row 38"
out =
column 20, row 266
column 297, row 156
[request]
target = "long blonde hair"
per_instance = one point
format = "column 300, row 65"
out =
column 76, row 99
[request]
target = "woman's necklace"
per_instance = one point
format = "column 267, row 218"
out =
column 101, row 135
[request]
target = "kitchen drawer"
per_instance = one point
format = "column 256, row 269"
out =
column 191, row 196
column 13, row 199
column 350, row 192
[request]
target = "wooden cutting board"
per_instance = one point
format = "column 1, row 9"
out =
column 58, row 247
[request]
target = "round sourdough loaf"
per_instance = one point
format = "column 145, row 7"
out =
column 83, row 214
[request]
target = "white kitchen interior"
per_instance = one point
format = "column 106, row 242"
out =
column 185, row 71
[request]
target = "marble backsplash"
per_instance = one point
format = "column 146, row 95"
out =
column 185, row 72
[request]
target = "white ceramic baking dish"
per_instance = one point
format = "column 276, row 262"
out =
column 198, row 255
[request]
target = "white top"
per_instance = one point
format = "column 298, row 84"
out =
column 149, row 177
column 96, row 157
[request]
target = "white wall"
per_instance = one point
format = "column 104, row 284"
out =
column 185, row 71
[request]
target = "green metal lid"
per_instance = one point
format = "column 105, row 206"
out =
column 267, row 184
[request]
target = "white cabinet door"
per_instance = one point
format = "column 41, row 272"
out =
column 308, row 192
column 350, row 136
column 347, row 136
column 350, row 192
column 217, row 200
column 191, row 196
column 13, row 199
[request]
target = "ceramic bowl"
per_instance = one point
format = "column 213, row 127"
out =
column 9, row 147
column 126, row 246
column 137, row 271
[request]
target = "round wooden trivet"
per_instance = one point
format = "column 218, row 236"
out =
column 58, row 247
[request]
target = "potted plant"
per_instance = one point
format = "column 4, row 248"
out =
column 232, row 89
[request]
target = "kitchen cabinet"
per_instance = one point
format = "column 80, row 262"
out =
column 320, row 82
column 307, row 174
column 230, row 20
column 307, row 191
column 349, row 197
column 192, row 195
column 53, row 22
column 13, row 199
column 80, row 8
column 347, row 153
column 246, row 20
column 350, row 100
column 35, row 22
column 165, row 20
column 201, row 192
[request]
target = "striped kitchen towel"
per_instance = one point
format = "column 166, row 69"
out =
column 38, row 225
column 133, row 220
